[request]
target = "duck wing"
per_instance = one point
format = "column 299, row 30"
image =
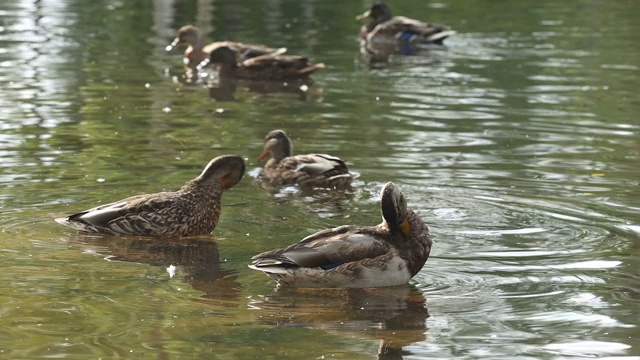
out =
column 248, row 51
column 280, row 66
column 325, row 249
column 245, row 51
column 409, row 29
column 138, row 212
column 316, row 164
column 312, row 170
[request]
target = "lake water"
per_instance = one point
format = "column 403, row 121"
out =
column 519, row 146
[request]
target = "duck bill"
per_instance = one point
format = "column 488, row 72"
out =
column 173, row 44
column 364, row 15
column 263, row 156
column 405, row 228
column 203, row 64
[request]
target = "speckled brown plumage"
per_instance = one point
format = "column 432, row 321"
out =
column 273, row 66
column 191, row 211
column 306, row 170
column 197, row 52
column 385, row 33
column 388, row 254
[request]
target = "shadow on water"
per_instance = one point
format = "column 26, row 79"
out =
column 226, row 89
column 386, row 58
column 396, row 316
column 196, row 259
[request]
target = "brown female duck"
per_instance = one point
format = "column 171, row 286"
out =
column 387, row 254
column 385, row 33
column 273, row 66
column 197, row 52
column 308, row 170
column 191, row 211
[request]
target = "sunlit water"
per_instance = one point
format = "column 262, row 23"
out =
column 518, row 145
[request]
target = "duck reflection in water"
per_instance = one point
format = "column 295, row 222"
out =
column 197, row 260
column 226, row 88
column 396, row 316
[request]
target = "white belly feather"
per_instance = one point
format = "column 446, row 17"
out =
column 394, row 272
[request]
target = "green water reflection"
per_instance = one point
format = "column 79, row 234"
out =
column 518, row 145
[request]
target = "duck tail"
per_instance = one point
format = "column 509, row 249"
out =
column 439, row 37
column 312, row 68
column 279, row 51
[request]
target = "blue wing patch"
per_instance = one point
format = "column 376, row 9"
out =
column 330, row 266
column 405, row 38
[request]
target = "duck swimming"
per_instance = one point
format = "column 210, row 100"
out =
column 385, row 33
column 197, row 52
column 272, row 66
column 306, row 170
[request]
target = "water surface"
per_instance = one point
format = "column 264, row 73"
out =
column 518, row 145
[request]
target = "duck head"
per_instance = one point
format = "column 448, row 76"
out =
column 187, row 34
column 394, row 210
column 377, row 14
column 227, row 170
column 277, row 145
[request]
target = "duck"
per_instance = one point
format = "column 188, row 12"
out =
column 272, row 66
column 351, row 256
column 385, row 33
column 197, row 52
column 306, row 170
column 193, row 210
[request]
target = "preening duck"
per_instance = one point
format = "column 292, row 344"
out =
column 387, row 254
column 191, row 211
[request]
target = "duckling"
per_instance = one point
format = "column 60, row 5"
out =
column 272, row 66
column 191, row 211
column 197, row 52
column 385, row 33
column 387, row 254
column 306, row 170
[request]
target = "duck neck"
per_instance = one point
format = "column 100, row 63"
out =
column 371, row 25
column 227, row 68
column 203, row 185
column 419, row 233
column 281, row 153
column 197, row 43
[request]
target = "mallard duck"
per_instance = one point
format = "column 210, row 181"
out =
column 384, row 32
column 197, row 52
column 191, row 211
column 387, row 254
column 273, row 66
column 307, row 170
